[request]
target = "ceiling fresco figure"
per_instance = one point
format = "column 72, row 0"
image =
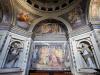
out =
column 76, row 17
column 95, row 9
column 23, row 19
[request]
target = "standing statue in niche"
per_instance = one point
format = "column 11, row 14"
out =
column 13, row 55
column 87, row 54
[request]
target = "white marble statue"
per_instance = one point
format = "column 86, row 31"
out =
column 13, row 55
column 87, row 54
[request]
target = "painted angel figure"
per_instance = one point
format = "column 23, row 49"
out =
column 56, row 57
column 35, row 55
column 87, row 55
column 44, row 56
column 13, row 55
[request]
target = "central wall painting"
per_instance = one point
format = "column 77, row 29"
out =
column 46, row 28
column 48, row 56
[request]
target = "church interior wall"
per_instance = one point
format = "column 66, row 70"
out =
column 18, row 31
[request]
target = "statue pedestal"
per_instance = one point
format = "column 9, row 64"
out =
column 87, row 70
column 11, row 71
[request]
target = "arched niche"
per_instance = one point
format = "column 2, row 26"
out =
column 94, row 11
column 86, row 50
column 13, row 54
column 49, row 27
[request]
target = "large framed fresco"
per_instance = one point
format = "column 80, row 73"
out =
column 49, row 56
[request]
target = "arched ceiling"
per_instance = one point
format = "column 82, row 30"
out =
column 49, row 1
column 50, row 5
column 47, row 7
column 69, row 10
